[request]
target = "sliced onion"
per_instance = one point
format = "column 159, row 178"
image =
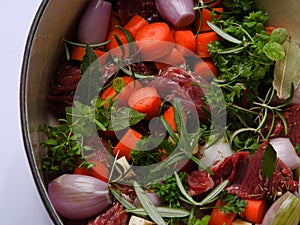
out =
column 216, row 152
column 179, row 13
column 77, row 196
column 94, row 23
column 286, row 152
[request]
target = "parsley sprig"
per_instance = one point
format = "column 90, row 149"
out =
column 231, row 203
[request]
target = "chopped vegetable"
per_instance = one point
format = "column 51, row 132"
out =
column 155, row 41
column 255, row 210
column 146, row 100
column 114, row 36
column 219, row 217
column 205, row 15
column 202, row 41
column 135, row 24
column 78, row 52
column 95, row 169
column 120, row 90
column 170, row 117
column 174, row 58
column 185, row 41
column 127, row 143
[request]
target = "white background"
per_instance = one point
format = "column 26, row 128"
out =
column 20, row 202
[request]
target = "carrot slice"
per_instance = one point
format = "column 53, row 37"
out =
column 218, row 217
column 205, row 16
column 78, row 52
column 185, row 40
column 269, row 29
column 135, row 24
column 174, row 58
column 202, row 40
column 123, row 96
column 127, row 144
column 99, row 170
column 146, row 100
column 113, row 46
column 155, row 40
column 206, row 69
column 255, row 210
column 170, row 118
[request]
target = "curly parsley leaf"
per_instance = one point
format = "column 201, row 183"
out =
column 168, row 190
column 231, row 203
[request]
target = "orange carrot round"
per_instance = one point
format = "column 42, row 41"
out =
column 255, row 210
column 218, row 217
column 185, row 40
column 174, row 58
column 135, row 24
column 99, row 170
column 170, row 118
column 126, row 144
column 113, row 46
column 146, row 100
column 205, row 69
column 269, row 29
column 154, row 40
column 206, row 15
column 123, row 96
column 78, row 53
column 202, row 40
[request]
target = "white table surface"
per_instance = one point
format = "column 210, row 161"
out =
column 20, row 202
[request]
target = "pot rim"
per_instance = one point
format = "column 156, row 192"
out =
column 23, row 112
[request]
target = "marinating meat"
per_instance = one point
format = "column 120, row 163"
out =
column 245, row 177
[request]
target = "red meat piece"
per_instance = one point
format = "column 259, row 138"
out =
column 292, row 117
column 115, row 215
column 245, row 177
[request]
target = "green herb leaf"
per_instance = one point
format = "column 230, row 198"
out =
column 148, row 205
column 124, row 117
column 223, row 34
column 287, row 70
column 163, row 211
column 196, row 221
column 279, row 35
column 214, row 193
column 168, row 190
column 268, row 161
column 232, row 203
column 89, row 85
column 124, row 201
column 274, row 51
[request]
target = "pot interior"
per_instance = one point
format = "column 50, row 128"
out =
column 56, row 20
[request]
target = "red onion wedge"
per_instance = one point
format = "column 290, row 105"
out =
column 179, row 13
column 77, row 196
column 94, row 23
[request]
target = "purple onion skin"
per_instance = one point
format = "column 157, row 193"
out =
column 94, row 23
column 179, row 13
column 77, row 196
column 154, row 198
